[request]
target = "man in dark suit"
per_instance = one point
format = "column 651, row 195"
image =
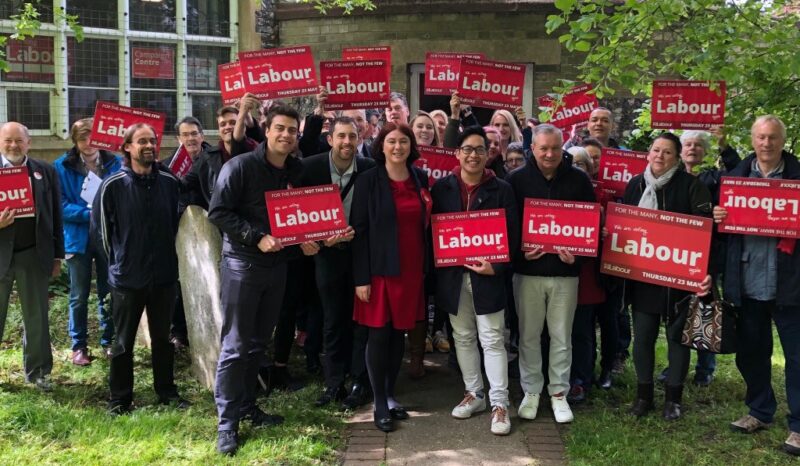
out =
column 344, row 341
column 31, row 250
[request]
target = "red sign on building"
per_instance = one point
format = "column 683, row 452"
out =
column 437, row 162
column 687, row 105
column 30, row 60
column 442, row 69
column 758, row 206
column 354, row 84
column 231, row 84
column 654, row 246
column 277, row 73
column 305, row 214
column 576, row 107
column 491, row 84
column 111, row 121
column 16, row 192
column 153, row 63
column 468, row 237
column 561, row 225
column 618, row 166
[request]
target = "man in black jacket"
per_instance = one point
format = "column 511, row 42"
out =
column 344, row 341
column 253, row 270
column 135, row 215
column 546, row 285
column 31, row 250
column 475, row 295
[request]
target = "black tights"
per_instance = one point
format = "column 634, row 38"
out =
column 646, row 328
column 385, row 348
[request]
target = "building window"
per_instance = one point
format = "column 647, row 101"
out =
column 31, row 108
column 202, row 65
column 152, row 16
column 9, row 8
column 208, row 17
column 82, row 101
column 204, row 108
column 92, row 13
column 93, row 62
column 158, row 101
column 30, row 61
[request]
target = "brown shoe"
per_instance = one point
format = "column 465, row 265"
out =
column 792, row 444
column 80, row 357
column 747, row 424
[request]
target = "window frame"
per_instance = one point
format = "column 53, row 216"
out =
column 59, row 90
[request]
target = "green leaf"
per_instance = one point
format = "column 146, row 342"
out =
column 582, row 46
column 565, row 5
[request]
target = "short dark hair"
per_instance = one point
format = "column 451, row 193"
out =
column 377, row 146
column 592, row 142
column 671, row 137
column 471, row 131
column 343, row 120
column 188, row 120
column 515, row 147
column 227, row 109
column 398, row 96
column 282, row 110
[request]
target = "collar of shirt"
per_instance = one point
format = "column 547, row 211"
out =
column 6, row 164
column 776, row 173
column 335, row 171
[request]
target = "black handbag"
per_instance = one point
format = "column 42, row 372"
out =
column 704, row 324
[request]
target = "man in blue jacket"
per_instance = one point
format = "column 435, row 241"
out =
column 761, row 277
column 73, row 168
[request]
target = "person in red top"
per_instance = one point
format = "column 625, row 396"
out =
column 390, row 213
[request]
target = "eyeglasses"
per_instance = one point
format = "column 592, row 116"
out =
column 193, row 134
column 468, row 150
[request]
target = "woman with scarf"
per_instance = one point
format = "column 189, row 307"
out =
column 664, row 185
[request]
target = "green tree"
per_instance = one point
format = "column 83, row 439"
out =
column 27, row 24
column 751, row 45
column 323, row 6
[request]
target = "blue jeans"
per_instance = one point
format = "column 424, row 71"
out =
column 80, row 283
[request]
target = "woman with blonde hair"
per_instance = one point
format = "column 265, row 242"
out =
column 506, row 124
column 425, row 131
column 440, row 119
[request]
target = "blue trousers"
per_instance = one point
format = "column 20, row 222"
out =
column 754, row 357
column 251, row 302
column 80, row 283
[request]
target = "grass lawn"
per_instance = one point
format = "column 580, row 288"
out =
column 605, row 434
column 70, row 424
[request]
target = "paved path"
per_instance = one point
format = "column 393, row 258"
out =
column 432, row 436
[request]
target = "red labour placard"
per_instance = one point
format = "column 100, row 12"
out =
column 111, row 120
column 491, row 84
column 654, row 246
column 181, row 162
column 231, row 83
column 437, row 162
column 379, row 52
column 153, row 63
column 354, row 84
column 576, row 107
column 305, row 214
column 561, row 225
column 687, row 105
column 763, row 207
column 16, row 191
column 468, row 237
column 618, row 166
column 441, row 71
column 277, row 73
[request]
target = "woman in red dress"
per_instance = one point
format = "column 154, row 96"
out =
column 390, row 213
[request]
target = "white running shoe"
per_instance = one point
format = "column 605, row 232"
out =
column 471, row 404
column 561, row 410
column 501, row 423
column 529, row 406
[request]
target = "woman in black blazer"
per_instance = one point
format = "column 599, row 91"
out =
column 390, row 213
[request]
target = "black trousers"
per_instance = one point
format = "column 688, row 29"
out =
column 178, row 326
column 126, row 310
column 300, row 305
column 344, row 341
column 251, row 301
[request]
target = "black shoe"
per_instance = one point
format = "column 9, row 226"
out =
column 672, row 402
column 604, row 381
column 386, row 424
column 259, row 418
column 180, row 342
column 227, row 442
column 576, row 395
column 118, row 409
column 619, row 363
column 644, row 400
column 331, row 394
column 281, row 379
column 177, row 401
column 398, row 414
column 358, row 397
column 313, row 366
column 662, row 377
column 702, row 379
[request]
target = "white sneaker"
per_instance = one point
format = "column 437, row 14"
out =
column 471, row 404
column 529, row 406
column 561, row 410
column 501, row 423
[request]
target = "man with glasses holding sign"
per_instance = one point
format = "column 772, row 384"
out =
column 475, row 295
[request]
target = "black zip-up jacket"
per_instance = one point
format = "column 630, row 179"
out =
column 376, row 247
column 684, row 194
column 238, row 206
column 788, row 286
column 488, row 291
column 568, row 184
column 135, row 217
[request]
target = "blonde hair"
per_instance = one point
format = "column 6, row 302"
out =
column 516, row 134
column 421, row 114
